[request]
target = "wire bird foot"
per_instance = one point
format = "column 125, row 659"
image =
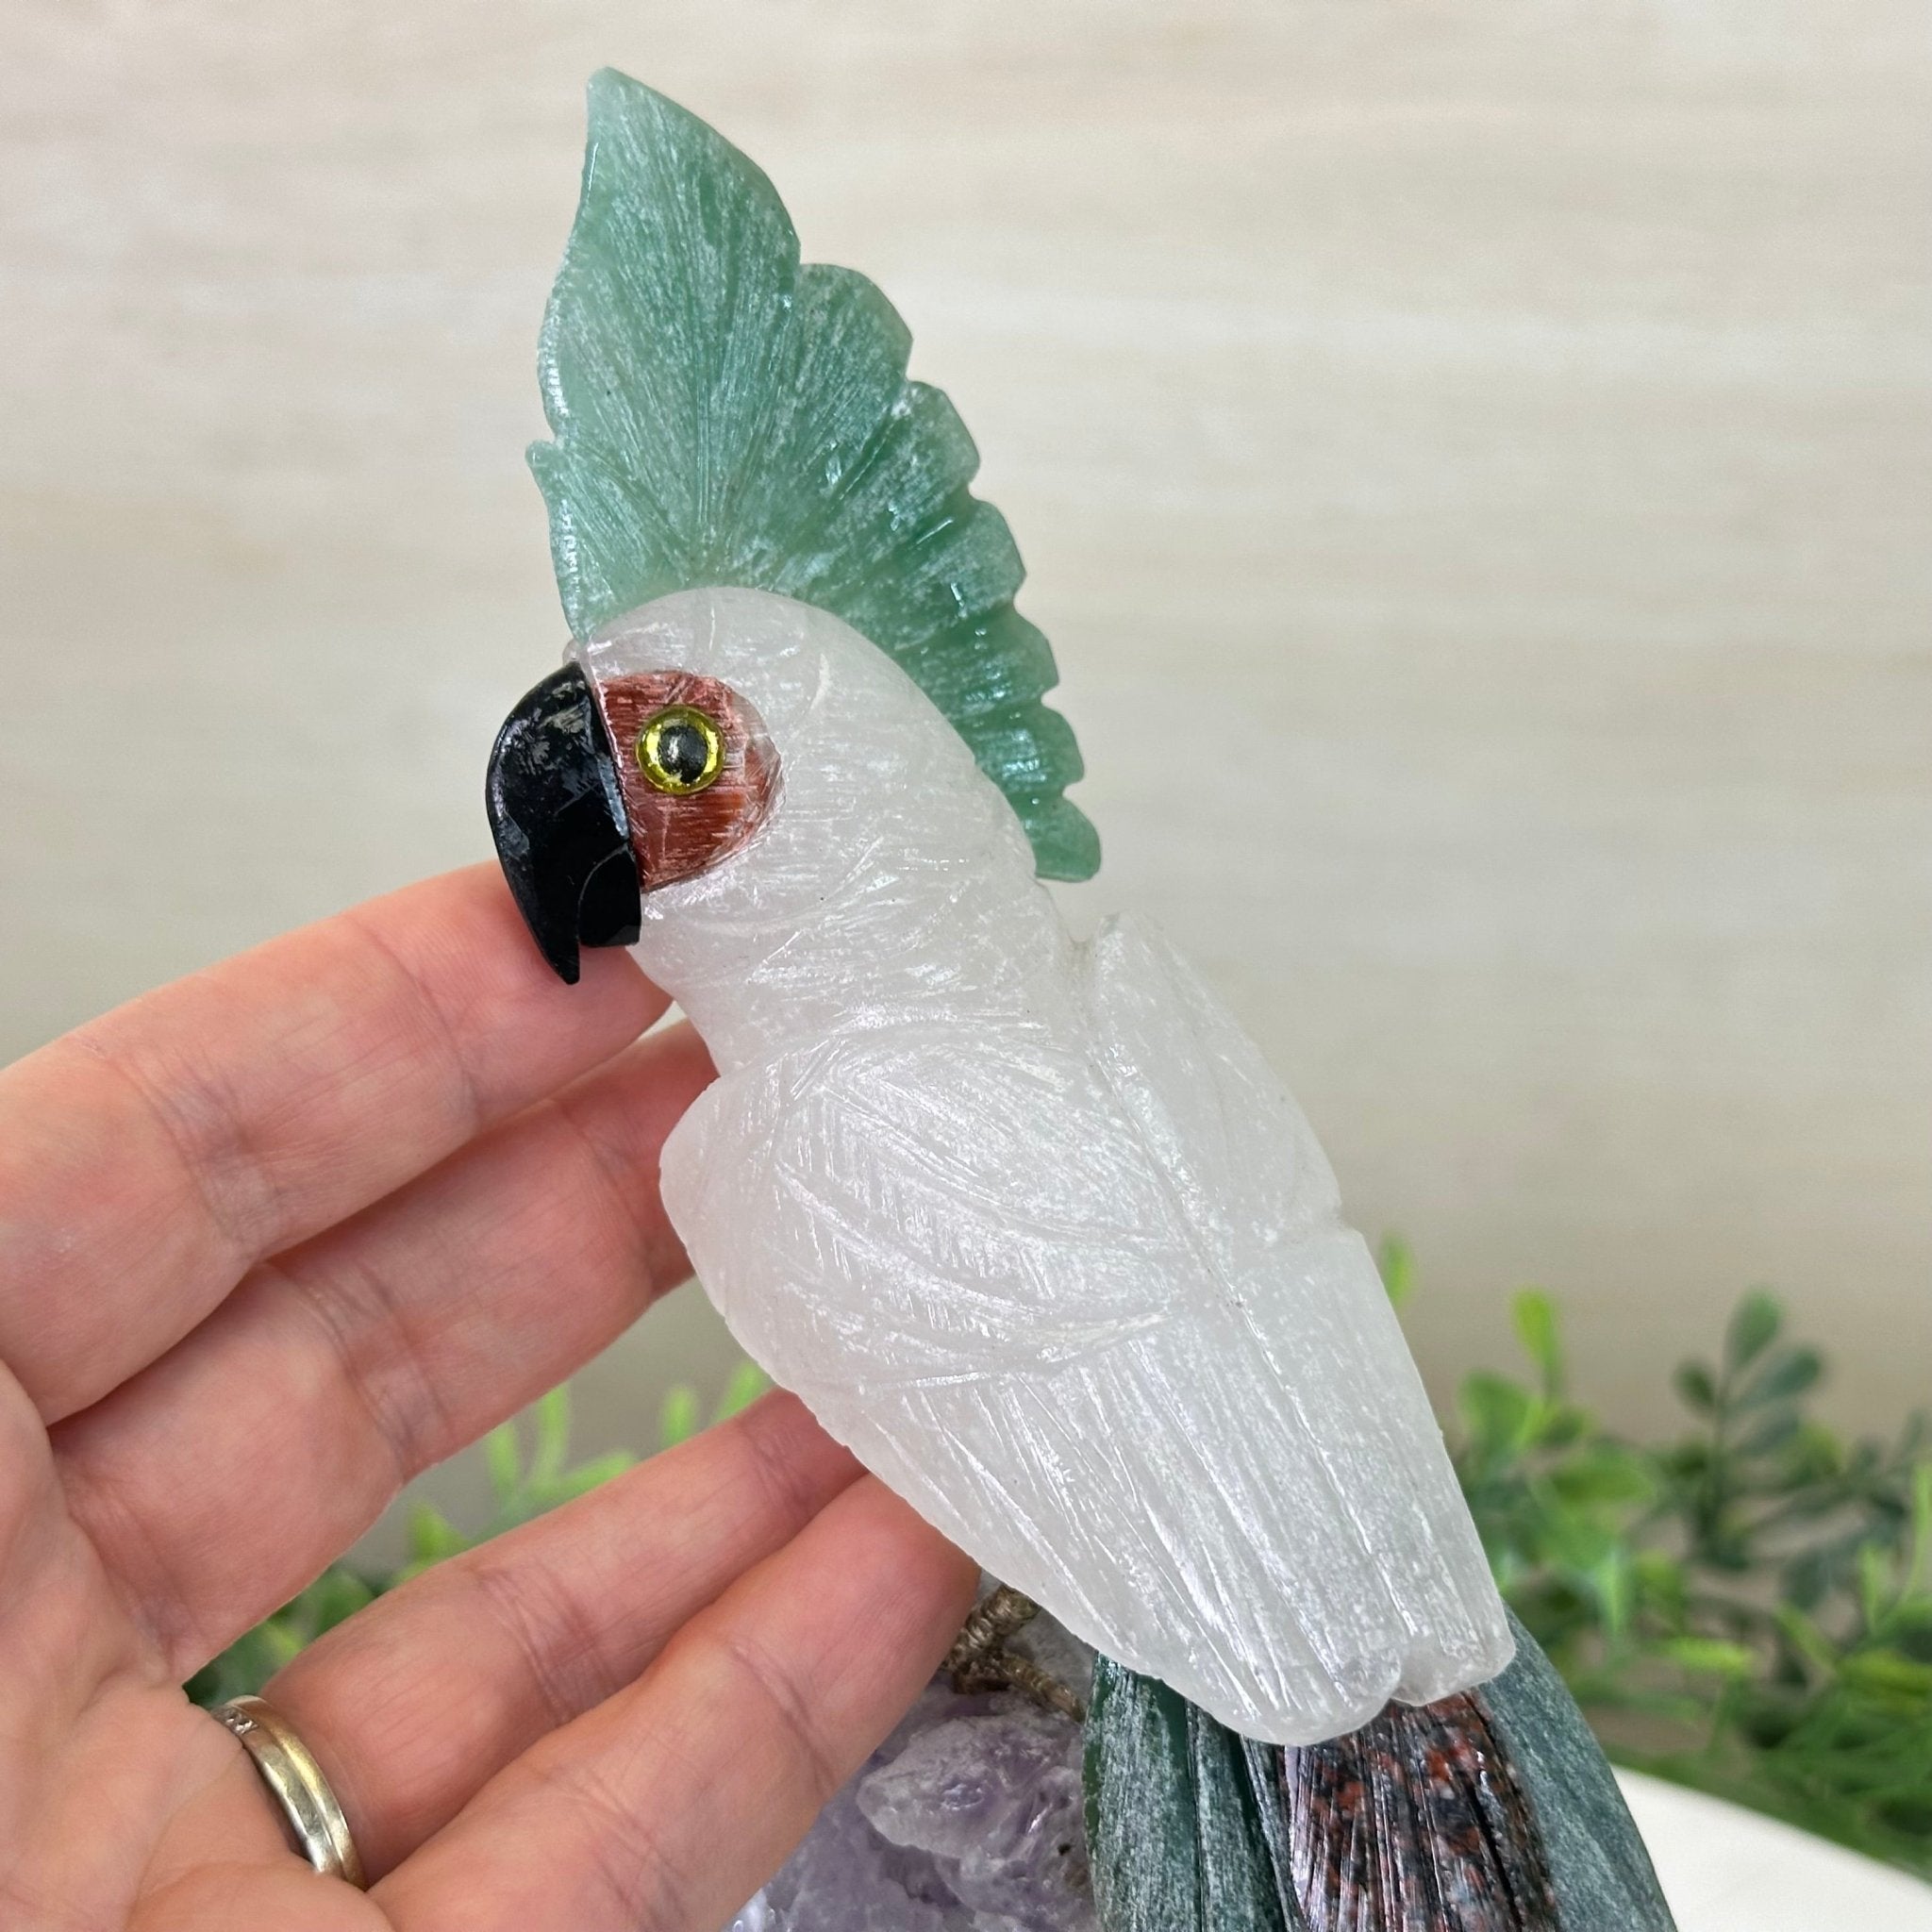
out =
column 980, row 1661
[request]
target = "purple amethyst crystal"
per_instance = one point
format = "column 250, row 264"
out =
column 966, row 1819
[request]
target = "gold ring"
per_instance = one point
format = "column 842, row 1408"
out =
column 288, row 1767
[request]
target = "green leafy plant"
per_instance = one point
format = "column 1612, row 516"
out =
column 1744, row 1607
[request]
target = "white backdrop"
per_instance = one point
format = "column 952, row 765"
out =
column 1510, row 419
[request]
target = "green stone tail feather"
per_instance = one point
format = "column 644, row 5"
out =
column 725, row 415
column 1490, row 1811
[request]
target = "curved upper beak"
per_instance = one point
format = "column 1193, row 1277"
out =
column 557, row 817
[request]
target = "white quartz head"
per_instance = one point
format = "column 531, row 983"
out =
column 846, row 905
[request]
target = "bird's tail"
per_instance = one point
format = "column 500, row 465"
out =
column 1415, row 1822
column 1488, row 1811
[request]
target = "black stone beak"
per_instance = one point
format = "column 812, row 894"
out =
column 558, row 820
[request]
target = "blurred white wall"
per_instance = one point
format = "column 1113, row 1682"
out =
column 1510, row 419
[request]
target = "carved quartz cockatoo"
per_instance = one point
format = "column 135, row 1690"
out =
column 1027, row 1223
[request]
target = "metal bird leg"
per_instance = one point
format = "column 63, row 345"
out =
column 980, row 1661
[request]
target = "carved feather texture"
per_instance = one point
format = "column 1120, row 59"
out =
column 1416, row 1823
column 1031, row 1226
column 1176, row 1836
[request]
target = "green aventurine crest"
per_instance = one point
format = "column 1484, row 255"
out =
column 726, row 415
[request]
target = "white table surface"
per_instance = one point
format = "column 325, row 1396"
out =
column 1724, row 1870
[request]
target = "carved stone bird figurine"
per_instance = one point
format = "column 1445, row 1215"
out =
column 1027, row 1223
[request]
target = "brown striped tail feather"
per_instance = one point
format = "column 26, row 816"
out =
column 1416, row 1823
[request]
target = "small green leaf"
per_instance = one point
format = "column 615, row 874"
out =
column 433, row 1535
column 1875, row 1585
column 1535, row 1316
column 1805, row 1578
column 1658, row 1578
column 593, row 1474
column 552, row 1418
column 1396, row 1260
column 1919, row 1543
column 748, row 1382
column 1785, row 1375
column 1816, row 1456
column 1752, row 1327
column 1614, row 1583
column 1803, row 1635
column 334, row 1597
column 678, row 1419
column 1501, row 1413
column 504, row 1460
column 1774, row 1432
column 1604, row 1474
column 1710, row 1656
column 1693, row 1383
column 282, row 1642
column 1888, row 1673
column 1562, row 1425
column 1580, row 1544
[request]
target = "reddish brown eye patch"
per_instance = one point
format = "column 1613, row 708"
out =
column 677, row 834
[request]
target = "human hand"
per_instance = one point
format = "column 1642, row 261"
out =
column 272, row 1240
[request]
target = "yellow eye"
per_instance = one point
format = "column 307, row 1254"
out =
column 679, row 751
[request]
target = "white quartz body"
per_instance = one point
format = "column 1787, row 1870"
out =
column 1031, row 1226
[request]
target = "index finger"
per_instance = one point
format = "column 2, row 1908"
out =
column 149, row 1159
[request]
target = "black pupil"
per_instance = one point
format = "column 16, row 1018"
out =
column 684, row 753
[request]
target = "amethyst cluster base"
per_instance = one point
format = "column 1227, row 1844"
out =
column 967, row 1819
